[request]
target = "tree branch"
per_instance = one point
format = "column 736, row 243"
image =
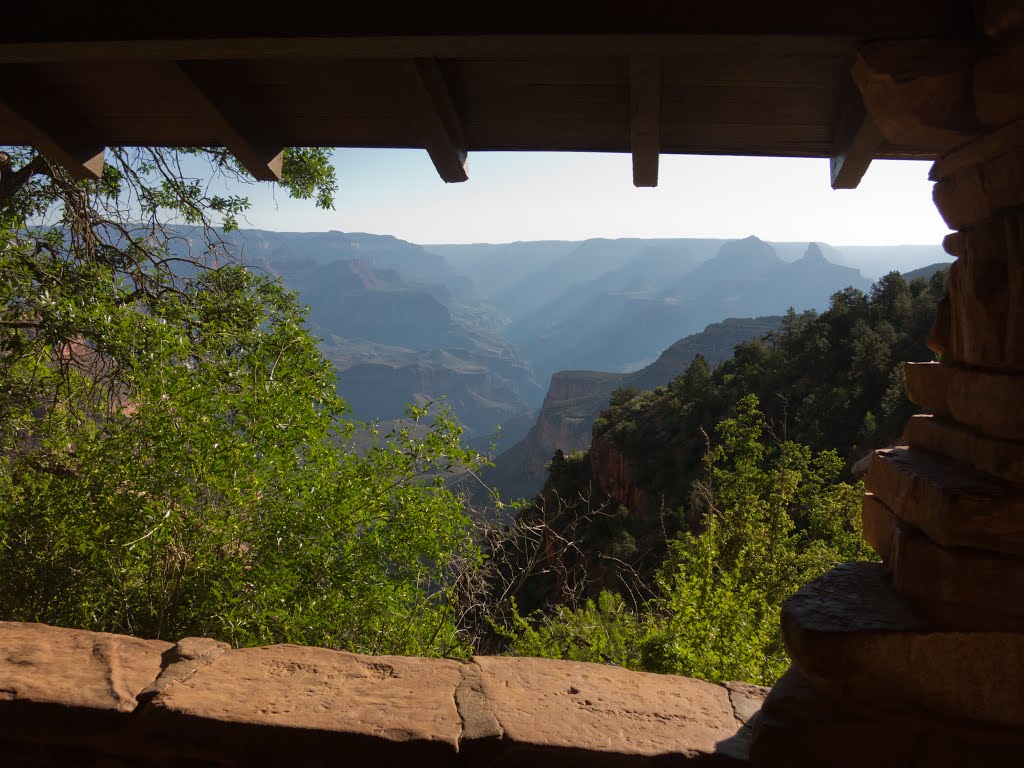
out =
column 11, row 181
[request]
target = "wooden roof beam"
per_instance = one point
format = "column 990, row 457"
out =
column 63, row 136
column 442, row 133
column 262, row 161
column 855, row 143
column 645, row 118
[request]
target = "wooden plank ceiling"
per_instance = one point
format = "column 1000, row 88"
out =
column 740, row 78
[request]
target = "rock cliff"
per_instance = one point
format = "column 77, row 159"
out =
column 576, row 398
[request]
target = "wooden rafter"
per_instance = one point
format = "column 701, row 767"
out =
column 443, row 137
column 856, row 141
column 54, row 127
column 645, row 118
column 263, row 161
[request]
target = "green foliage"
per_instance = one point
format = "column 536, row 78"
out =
column 831, row 381
column 772, row 517
column 174, row 456
column 217, row 503
column 604, row 630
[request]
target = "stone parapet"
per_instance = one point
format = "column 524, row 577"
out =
column 75, row 698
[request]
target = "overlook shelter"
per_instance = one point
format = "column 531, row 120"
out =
column 917, row 661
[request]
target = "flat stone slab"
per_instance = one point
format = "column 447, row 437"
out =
column 282, row 700
column 982, row 582
column 993, row 456
column 928, row 385
column 85, row 682
column 956, row 506
column 574, row 712
column 879, row 525
column 800, row 728
column 858, row 640
column 988, row 401
column 83, row 698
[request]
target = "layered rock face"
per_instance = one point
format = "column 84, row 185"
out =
column 920, row 660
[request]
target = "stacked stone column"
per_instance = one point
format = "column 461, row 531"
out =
column 919, row 660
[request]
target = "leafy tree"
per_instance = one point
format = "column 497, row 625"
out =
column 772, row 517
column 174, row 457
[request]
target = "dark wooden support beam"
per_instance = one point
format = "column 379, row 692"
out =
column 645, row 118
column 263, row 161
column 442, row 132
column 855, row 142
column 56, row 130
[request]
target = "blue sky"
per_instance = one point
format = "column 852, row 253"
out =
column 535, row 196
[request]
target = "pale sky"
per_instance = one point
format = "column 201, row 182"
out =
column 574, row 196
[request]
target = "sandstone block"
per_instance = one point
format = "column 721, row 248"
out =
column 182, row 661
column 70, row 686
column 979, row 150
column 982, row 582
column 953, row 504
column 862, row 643
column 572, row 713
column 993, row 456
column 800, row 728
column 955, row 244
column 989, row 401
column 918, row 91
column 928, row 383
column 746, row 699
column 999, row 85
column 939, row 336
column 879, row 525
column 293, row 705
column 978, row 294
column 975, row 194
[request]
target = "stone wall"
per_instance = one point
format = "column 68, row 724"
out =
column 75, row 698
column 919, row 660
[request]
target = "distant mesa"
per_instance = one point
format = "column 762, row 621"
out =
column 488, row 325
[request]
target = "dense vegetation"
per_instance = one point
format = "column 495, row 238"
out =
column 770, row 519
column 832, row 381
column 175, row 459
column 741, row 492
column 173, row 453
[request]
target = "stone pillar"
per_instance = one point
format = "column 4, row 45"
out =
column 919, row 660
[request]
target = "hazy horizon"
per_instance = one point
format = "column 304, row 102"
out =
column 520, row 197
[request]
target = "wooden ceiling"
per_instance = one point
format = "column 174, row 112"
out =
column 741, row 78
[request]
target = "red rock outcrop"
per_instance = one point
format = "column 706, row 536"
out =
column 616, row 477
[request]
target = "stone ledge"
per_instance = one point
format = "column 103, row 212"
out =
column 859, row 642
column 66, row 698
column 800, row 727
column 988, row 401
column 68, row 688
column 952, row 503
column 928, row 385
column 982, row 583
column 993, row 456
